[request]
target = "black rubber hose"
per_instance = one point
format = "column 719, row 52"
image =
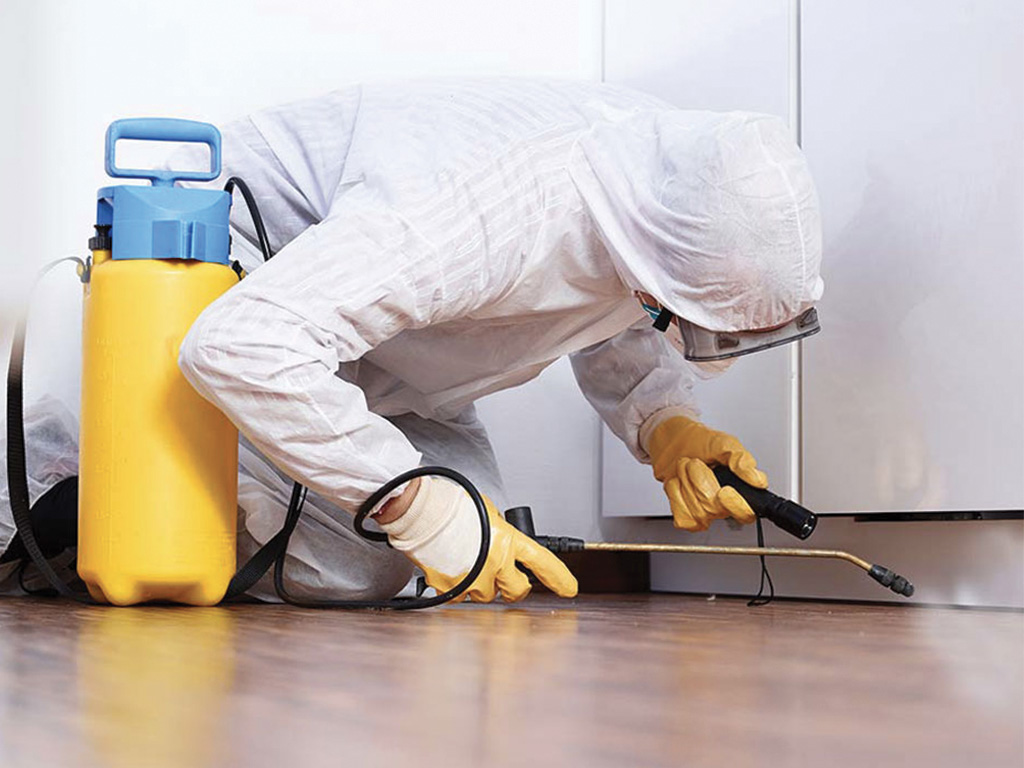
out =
column 400, row 604
column 254, row 212
column 17, row 465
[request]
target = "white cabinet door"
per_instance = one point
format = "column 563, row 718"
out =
column 913, row 121
column 718, row 55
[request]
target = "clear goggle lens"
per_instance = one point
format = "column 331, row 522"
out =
column 698, row 344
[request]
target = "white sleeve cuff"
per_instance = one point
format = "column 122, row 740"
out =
column 427, row 514
column 658, row 418
column 440, row 530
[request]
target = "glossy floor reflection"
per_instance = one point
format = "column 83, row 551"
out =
column 600, row 681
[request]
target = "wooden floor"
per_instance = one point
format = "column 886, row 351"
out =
column 601, row 681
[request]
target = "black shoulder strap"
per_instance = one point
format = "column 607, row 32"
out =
column 265, row 556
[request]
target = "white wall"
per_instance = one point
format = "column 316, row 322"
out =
column 70, row 68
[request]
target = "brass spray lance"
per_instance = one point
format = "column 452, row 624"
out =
column 786, row 514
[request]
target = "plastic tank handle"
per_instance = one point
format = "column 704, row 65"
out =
column 163, row 129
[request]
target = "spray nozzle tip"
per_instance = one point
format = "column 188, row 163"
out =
column 902, row 587
column 892, row 580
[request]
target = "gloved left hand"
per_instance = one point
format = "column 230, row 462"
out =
column 440, row 532
column 682, row 453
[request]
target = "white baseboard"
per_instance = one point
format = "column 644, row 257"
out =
column 966, row 563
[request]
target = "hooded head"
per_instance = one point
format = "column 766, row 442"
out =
column 714, row 214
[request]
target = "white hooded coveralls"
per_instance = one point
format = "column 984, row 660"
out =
column 437, row 242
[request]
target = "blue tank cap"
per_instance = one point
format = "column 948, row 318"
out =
column 164, row 221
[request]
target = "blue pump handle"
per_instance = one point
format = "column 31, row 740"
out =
column 164, row 129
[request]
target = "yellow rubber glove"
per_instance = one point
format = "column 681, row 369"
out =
column 682, row 453
column 440, row 532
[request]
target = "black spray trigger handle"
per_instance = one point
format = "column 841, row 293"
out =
column 521, row 518
column 786, row 514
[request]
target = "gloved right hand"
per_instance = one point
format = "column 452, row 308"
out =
column 682, row 453
column 440, row 532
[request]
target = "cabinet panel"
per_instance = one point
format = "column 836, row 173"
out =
column 913, row 121
column 707, row 54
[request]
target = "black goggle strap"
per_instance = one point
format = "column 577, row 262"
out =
column 663, row 320
column 662, row 317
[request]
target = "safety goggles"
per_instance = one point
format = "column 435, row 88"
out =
column 701, row 345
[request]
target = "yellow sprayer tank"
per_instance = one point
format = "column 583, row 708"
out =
column 159, row 464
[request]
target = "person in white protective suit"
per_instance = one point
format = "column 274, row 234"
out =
column 439, row 241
